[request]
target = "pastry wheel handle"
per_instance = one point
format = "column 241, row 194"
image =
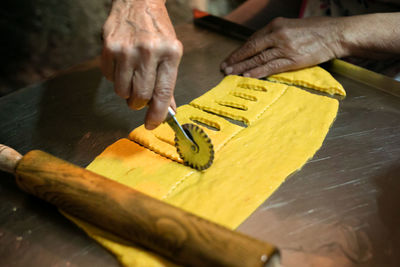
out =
column 177, row 127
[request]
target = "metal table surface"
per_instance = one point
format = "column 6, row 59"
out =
column 341, row 209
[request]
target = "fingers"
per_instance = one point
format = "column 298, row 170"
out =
column 117, row 65
column 167, row 72
column 275, row 66
column 284, row 44
column 252, row 47
column 162, row 95
column 143, row 81
column 258, row 60
column 123, row 77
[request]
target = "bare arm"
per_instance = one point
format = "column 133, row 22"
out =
column 372, row 36
column 141, row 55
column 288, row 44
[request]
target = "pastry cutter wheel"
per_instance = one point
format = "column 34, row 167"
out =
column 192, row 143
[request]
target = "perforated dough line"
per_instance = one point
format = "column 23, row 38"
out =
column 183, row 179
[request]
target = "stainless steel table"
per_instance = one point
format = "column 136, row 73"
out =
column 341, row 209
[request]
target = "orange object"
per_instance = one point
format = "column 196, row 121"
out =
column 199, row 14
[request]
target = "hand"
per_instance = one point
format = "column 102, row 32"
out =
column 287, row 44
column 141, row 55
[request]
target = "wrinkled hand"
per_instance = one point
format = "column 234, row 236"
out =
column 287, row 44
column 141, row 55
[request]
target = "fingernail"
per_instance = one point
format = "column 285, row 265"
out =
column 228, row 70
column 223, row 65
column 246, row 74
column 150, row 126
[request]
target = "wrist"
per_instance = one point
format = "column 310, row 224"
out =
column 351, row 35
column 338, row 41
column 138, row 10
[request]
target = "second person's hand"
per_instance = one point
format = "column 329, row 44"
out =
column 287, row 44
column 141, row 55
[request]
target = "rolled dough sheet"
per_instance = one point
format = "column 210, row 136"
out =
column 314, row 78
column 250, row 164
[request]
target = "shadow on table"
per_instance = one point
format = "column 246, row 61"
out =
column 79, row 115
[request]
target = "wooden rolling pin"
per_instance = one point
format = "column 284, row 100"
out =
column 178, row 235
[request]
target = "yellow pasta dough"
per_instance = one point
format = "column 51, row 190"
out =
column 239, row 98
column 314, row 77
column 161, row 140
column 286, row 126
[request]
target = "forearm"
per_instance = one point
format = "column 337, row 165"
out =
column 121, row 5
column 140, row 14
column 372, row 36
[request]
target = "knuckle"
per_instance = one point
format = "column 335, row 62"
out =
column 113, row 46
column 277, row 22
column 110, row 45
column 127, row 50
column 283, row 34
column 261, row 58
column 238, row 68
column 116, row 46
column 163, row 93
column 251, row 45
column 272, row 67
column 276, row 66
column 148, row 46
column 274, row 53
column 176, row 49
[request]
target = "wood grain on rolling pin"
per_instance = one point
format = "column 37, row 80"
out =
column 178, row 235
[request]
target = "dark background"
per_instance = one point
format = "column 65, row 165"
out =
column 41, row 37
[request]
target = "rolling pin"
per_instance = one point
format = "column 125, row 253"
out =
column 169, row 231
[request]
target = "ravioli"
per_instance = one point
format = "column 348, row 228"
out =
column 285, row 127
column 314, row 78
